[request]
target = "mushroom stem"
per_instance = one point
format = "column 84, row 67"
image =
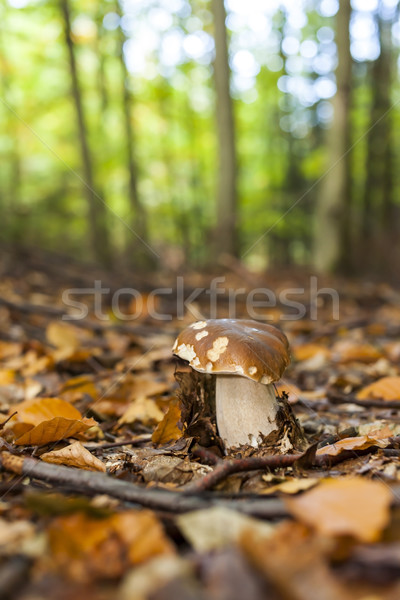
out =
column 246, row 410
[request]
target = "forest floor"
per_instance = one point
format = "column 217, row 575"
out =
column 112, row 488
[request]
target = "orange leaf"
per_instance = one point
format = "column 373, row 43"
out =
column 43, row 420
column 75, row 455
column 307, row 351
column 37, row 410
column 361, row 442
column 387, row 388
column 167, row 430
column 351, row 506
column 54, row 430
column 347, row 351
column 87, row 548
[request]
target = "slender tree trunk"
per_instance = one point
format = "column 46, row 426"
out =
column 96, row 208
column 139, row 217
column 227, row 189
column 333, row 207
column 378, row 209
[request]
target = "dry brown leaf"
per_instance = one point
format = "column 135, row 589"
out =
column 291, row 390
column 75, row 455
column 353, row 506
column 307, row 351
column 387, row 388
column 74, row 388
column 86, row 548
column 295, row 561
column 361, row 442
column 347, row 351
column 168, row 430
column 144, row 410
column 62, row 335
column 43, row 420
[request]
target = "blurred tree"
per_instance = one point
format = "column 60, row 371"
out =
column 226, row 235
column 138, row 220
column 332, row 244
column 379, row 223
column 97, row 221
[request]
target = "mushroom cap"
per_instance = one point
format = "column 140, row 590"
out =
column 243, row 347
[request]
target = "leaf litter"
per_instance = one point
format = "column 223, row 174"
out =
column 102, row 400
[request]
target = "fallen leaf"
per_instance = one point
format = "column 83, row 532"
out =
column 296, row 561
column 291, row 486
column 145, row 579
column 217, row 527
column 352, row 443
column 387, row 388
column 352, row 506
column 62, row 335
column 346, row 351
column 168, row 430
column 75, row 455
column 86, row 548
column 144, row 410
column 307, row 351
column 43, row 420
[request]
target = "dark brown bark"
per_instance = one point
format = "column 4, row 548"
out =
column 226, row 241
column 96, row 206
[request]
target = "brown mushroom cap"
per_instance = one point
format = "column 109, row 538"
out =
column 238, row 346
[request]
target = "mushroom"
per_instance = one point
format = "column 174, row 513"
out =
column 246, row 357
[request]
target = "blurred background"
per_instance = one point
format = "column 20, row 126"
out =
column 176, row 133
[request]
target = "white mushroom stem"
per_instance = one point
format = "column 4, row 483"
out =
column 246, row 410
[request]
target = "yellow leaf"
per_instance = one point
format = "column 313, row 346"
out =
column 307, row 351
column 292, row 486
column 62, row 335
column 144, row 410
column 351, row 506
column 387, row 388
column 361, row 442
column 168, row 430
column 7, row 376
column 75, row 455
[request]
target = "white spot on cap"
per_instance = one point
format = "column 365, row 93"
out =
column 265, row 379
column 252, row 370
column 219, row 347
column 239, row 369
column 209, row 367
column 201, row 334
column 186, row 352
column 199, row 325
column 195, row 362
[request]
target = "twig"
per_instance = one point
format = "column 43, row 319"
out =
column 337, row 398
column 137, row 439
column 238, row 465
column 91, row 483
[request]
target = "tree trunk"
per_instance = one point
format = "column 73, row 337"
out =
column 96, row 205
column 332, row 243
column 139, row 219
column 378, row 210
column 226, row 241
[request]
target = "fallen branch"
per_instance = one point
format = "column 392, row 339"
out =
column 91, row 483
column 238, row 465
column 231, row 466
